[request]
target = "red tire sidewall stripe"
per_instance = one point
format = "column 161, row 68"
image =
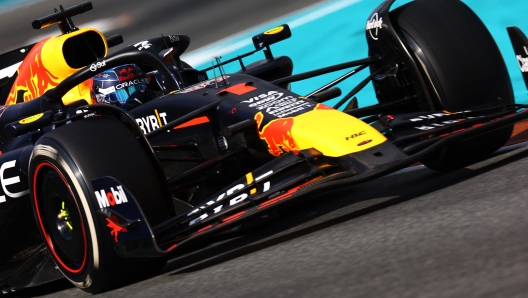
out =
column 47, row 238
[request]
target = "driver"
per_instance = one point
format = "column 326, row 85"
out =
column 124, row 86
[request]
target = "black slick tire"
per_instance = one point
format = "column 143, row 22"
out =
column 62, row 167
column 463, row 66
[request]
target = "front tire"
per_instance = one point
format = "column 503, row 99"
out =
column 463, row 67
column 62, row 167
column 60, row 218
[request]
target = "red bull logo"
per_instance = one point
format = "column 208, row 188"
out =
column 116, row 229
column 321, row 106
column 277, row 134
column 127, row 73
column 126, row 70
column 33, row 78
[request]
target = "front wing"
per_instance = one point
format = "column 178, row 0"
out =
column 289, row 179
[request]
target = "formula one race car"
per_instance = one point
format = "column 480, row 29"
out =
column 112, row 162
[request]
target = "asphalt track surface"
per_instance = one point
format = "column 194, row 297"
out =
column 416, row 233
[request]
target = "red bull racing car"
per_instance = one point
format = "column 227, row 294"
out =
column 112, row 162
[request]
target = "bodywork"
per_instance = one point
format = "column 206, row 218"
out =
column 253, row 144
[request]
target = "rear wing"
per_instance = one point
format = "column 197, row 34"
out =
column 520, row 46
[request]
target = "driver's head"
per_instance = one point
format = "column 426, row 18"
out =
column 116, row 85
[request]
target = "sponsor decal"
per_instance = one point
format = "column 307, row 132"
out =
column 152, row 122
column 116, row 228
column 112, row 197
column 174, row 38
column 86, row 112
column 131, row 83
column 127, row 73
column 106, row 91
column 265, row 97
column 143, row 45
column 425, row 127
column 241, row 197
column 274, row 30
column 278, row 105
column 277, row 134
column 523, row 62
column 31, row 118
column 373, row 25
column 33, row 77
column 96, row 66
column 435, row 116
column 435, row 125
column 7, row 181
column 103, row 75
column 361, row 133
column 116, row 196
column 101, row 93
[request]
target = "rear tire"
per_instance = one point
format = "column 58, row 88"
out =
column 63, row 165
column 463, row 66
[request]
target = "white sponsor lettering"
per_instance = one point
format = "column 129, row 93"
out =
column 152, row 122
column 435, row 116
column 236, row 200
column 101, row 198
column 107, row 91
column 9, row 181
column 143, row 45
column 97, row 65
column 375, row 23
column 234, row 189
column 196, row 220
column 111, row 198
column 436, row 125
column 130, row 83
column 174, row 38
column 267, row 186
column 424, row 127
column 162, row 116
column 274, row 103
column 523, row 62
column 270, row 96
column 432, row 116
column 263, row 176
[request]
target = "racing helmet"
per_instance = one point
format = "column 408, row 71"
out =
column 115, row 86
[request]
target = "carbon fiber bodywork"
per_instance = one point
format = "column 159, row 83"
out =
column 224, row 150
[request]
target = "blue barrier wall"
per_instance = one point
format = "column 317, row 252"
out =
column 334, row 31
